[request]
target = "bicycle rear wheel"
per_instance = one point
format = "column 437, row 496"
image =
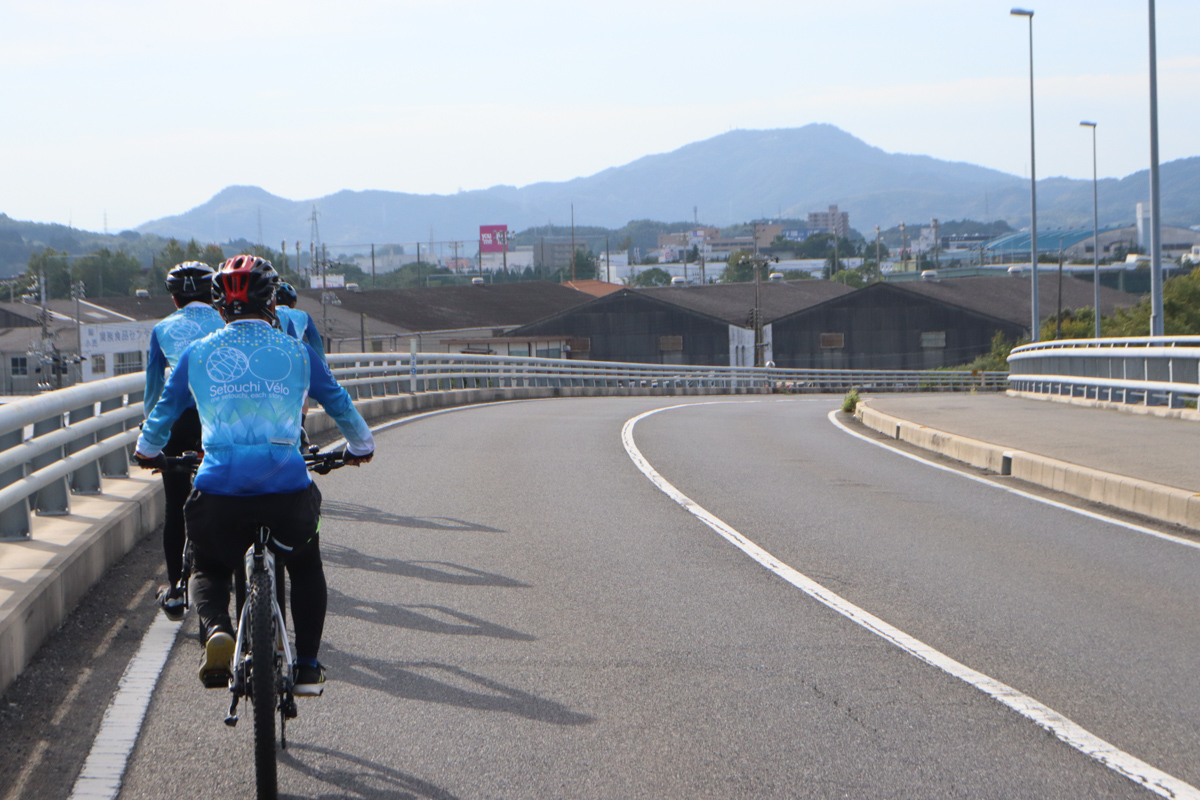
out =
column 262, row 683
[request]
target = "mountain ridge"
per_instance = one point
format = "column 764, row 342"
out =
column 739, row 175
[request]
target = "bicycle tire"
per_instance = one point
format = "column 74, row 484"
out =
column 262, row 683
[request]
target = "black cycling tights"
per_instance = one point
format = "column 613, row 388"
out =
column 185, row 436
column 222, row 528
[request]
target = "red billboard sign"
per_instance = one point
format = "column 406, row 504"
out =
column 493, row 238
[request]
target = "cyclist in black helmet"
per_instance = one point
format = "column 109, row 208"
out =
column 190, row 285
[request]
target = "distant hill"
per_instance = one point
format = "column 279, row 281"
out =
column 730, row 178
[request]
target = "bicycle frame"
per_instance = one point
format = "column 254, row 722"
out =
column 260, row 559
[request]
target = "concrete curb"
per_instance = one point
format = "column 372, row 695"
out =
column 1163, row 503
column 1190, row 414
column 43, row 578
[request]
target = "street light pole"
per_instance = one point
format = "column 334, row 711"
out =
column 1095, row 227
column 1035, row 325
column 1156, row 277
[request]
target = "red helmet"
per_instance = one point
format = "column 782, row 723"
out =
column 245, row 284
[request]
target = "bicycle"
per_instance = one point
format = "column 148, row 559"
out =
column 262, row 640
column 262, row 637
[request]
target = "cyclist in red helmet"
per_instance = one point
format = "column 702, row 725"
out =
column 249, row 381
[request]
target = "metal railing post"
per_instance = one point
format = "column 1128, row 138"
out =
column 115, row 464
column 86, row 479
column 54, row 499
column 14, row 520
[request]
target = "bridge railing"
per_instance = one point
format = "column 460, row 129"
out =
column 69, row 441
column 1147, row 370
column 366, row 373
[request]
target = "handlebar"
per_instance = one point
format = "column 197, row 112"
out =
column 324, row 463
column 316, row 461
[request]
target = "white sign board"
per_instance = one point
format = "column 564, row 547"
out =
column 111, row 339
column 329, row 282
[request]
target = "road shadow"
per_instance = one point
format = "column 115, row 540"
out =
column 350, row 776
column 412, row 617
column 411, row 680
column 338, row 555
column 354, row 512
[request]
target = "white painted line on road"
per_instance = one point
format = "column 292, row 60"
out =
column 1045, row 717
column 1083, row 512
column 100, row 778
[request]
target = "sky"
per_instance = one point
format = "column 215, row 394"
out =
column 122, row 112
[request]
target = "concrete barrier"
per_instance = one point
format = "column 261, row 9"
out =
column 1164, row 503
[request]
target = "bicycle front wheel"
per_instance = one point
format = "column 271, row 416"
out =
column 262, row 682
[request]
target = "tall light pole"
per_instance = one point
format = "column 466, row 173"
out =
column 1035, row 325
column 1156, row 279
column 1095, row 227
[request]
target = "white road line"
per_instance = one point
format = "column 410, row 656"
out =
column 1119, row 761
column 104, row 768
column 1083, row 512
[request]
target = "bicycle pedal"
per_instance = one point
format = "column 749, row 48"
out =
column 288, row 709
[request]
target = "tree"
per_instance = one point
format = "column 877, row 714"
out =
column 996, row 360
column 1181, row 311
column 53, row 265
column 1077, row 323
column 585, row 266
column 655, row 276
column 108, row 274
column 739, row 268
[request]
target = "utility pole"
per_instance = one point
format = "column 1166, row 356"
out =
column 1058, row 326
column 572, row 241
column 298, row 272
column 372, row 266
column 937, row 244
column 903, row 248
column 324, row 294
column 878, row 246
column 607, row 262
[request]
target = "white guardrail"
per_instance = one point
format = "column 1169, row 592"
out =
column 68, row 441
column 1147, row 370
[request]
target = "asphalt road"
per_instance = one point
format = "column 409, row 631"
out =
column 517, row 612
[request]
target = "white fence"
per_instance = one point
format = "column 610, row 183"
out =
column 1148, row 370
column 68, row 441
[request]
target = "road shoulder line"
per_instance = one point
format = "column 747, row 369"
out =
column 1045, row 717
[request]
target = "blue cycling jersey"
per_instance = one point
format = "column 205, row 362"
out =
column 249, row 382
column 300, row 325
column 170, row 338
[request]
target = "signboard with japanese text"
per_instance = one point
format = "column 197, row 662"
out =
column 328, row 282
column 493, row 238
column 110, row 349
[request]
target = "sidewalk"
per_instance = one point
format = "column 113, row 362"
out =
column 1143, row 464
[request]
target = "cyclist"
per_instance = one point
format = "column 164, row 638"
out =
column 295, row 322
column 249, row 381
column 299, row 325
column 190, row 285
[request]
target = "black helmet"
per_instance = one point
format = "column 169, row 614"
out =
column 190, row 281
column 285, row 295
column 245, row 285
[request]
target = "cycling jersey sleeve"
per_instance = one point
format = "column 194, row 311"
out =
column 336, row 401
column 312, row 337
column 176, row 398
column 156, row 366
